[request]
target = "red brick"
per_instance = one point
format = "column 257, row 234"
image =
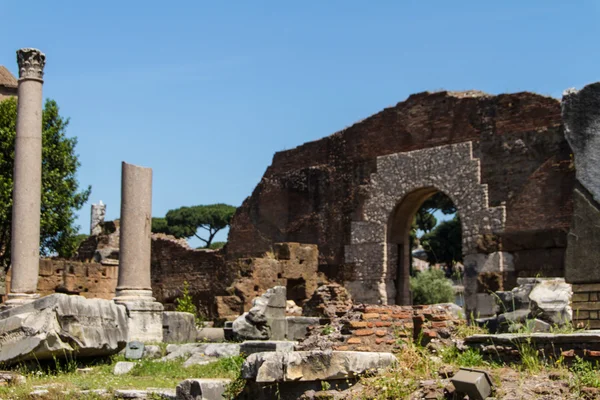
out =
column 379, row 341
column 341, row 348
column 406, row 315
column 370, row 316
column 354, row 340
column 364, row 332
column 385, row 317
column 568, row 353
column 382, row 324
column 431, row 334
column 591, row 353
column 358, row 324
column 381, row 333
column 439, row 324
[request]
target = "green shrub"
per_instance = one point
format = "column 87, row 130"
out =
column 431, row 287
column 186, row 304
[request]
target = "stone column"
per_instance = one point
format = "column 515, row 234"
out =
column 25, row 243
column 97, row 218
column 133, row 286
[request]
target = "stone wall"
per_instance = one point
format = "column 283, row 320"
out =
column 221, row 289
column 88, row 279
column 293, row 265
column 586, row 305
column 317, row 192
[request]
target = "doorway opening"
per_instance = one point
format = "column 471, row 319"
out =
column 425, row 230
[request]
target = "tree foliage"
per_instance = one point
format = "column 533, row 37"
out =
column 61, row 196
column 431, row 287
column 444, row 243
column 185, row 222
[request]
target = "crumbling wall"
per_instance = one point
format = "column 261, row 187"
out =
column 313, row 193
column 87, row 279
column 293, row 265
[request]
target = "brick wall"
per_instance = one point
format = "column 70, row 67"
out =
column 381, row 328
column 88, row 279
column 586, row 305
column 312, row 193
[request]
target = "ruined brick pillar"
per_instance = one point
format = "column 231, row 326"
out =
column 25, row 240
column 134, row 290
column 97, row 218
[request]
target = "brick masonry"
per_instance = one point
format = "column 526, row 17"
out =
column 320, row 192
column 384, row 328
column 586, row 305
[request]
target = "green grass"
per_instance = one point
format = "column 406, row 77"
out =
column 146, row 374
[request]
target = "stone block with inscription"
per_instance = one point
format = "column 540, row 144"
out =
column 58, row 325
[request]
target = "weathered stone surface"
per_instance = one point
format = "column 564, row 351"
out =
column 581, row 116
column 328, row 301
column 123, row 367
column 583, row 250
column 297, row 327
column 11, row 378
column 222, row 349
column 167, row 394
column 292, row 309
column 152, row 351
column 266, row 318
column 310, row 366
column 202, row 389
column 200, row 350
column 199, row 359
column 550, row 301
column 175, row 351
column 179, row 327
column 208, row 334
column 134, row 350
column 548, row 338
column 58, row 324
column 259, row 346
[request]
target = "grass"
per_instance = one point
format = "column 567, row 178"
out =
column 146, row 374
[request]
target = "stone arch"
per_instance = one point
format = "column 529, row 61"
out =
column 451, row 169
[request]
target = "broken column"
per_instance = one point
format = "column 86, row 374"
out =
column 134, row 290
column 97, row 218
column 25, row 243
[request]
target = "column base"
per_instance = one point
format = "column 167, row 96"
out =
column 18, row 299
column 145, row 315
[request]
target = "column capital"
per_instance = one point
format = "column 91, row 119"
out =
column 31, row 63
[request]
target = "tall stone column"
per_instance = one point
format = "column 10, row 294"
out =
column 25, row 241
column 134, row 290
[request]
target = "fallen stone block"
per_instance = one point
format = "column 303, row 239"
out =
column 202, row 389
column 208, row 334
column 59, row 324
column 145, row 394
column 297, row 327
column 199, row 359
column 550, row 301
column 312, row 366
column 123, row 367
column 259, row 346
column 179, row 327
column 152, row 351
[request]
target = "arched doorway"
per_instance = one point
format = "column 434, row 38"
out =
column 408, row 219
column 395, row 192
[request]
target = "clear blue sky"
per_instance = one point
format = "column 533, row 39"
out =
column 205, row 92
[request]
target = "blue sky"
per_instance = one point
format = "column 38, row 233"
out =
column 205, row 92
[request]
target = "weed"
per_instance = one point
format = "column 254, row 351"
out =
column 327, row 330
column 468, row 358
column 530, row 356
column 185, row 303
column 584, row 374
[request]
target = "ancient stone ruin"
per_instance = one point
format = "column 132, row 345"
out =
column 314, row 280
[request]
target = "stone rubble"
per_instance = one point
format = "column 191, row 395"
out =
column 59, row 324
